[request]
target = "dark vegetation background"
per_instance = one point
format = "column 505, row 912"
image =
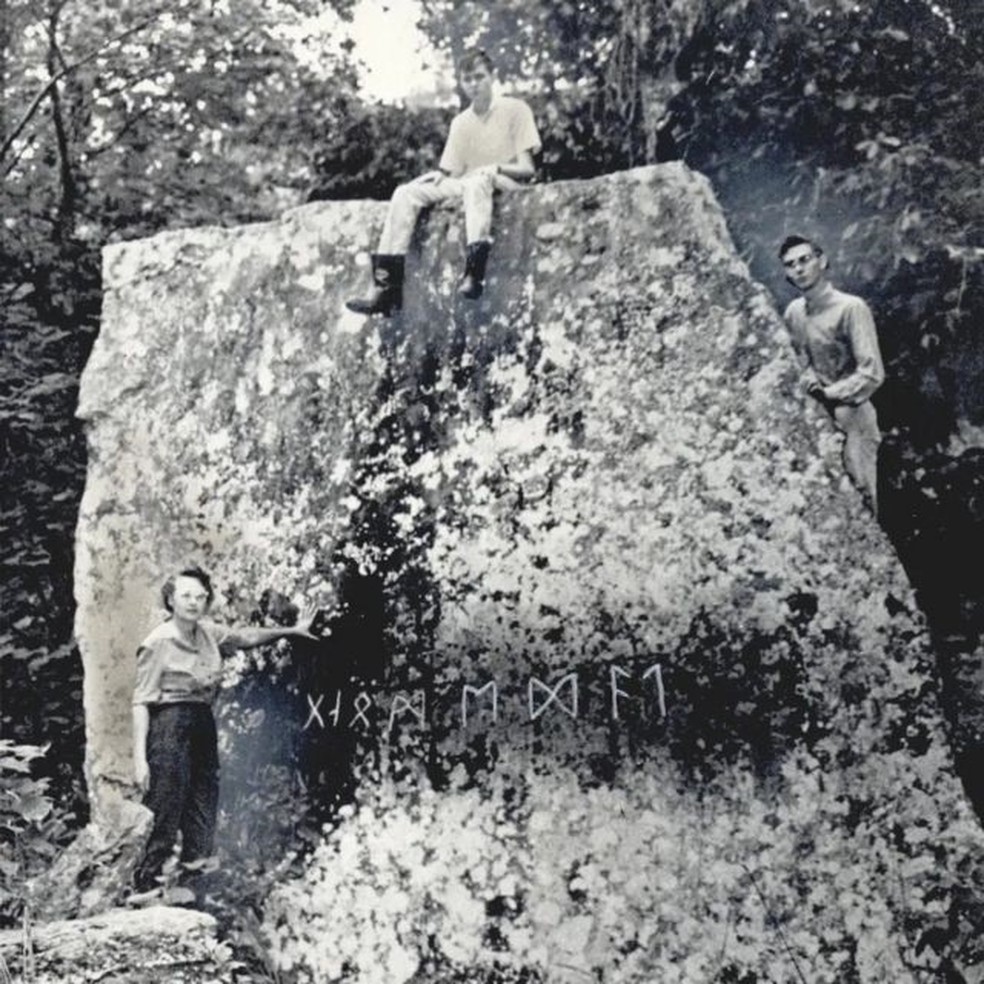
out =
column 858, row 123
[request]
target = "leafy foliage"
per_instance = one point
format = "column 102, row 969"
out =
column 132, row 117
column 375, row 148
column 49, row 321
column 865, row 105
column 33, row 827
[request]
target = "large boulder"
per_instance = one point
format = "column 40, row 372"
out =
column 628, row 683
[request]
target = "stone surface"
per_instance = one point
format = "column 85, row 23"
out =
column 714, row 753
column 126, row 947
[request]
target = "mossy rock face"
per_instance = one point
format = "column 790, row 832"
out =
column 626, row 686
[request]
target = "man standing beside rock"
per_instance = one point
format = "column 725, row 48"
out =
column 490, row 147
column 835, row 333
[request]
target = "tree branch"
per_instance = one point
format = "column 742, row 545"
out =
column 66, row 173
column 15, row 158
column 127, row 125
column 53, row 81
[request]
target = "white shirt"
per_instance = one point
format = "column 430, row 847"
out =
column 169, row 670
column 497, row 137
column 841, row 345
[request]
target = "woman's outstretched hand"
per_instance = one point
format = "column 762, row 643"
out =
column 306, row 623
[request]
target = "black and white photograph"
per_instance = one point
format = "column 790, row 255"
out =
column 492, row 492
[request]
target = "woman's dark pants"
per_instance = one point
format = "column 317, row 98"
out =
column 182, row 753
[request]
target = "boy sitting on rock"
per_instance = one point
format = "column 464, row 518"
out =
column 490, row 146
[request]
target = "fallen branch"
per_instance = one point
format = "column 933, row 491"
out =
column 775, row 922
column 156, row 965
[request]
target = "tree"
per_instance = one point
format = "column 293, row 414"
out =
column 130, row 117
column 603, row 71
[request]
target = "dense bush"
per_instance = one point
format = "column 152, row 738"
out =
column 33, row 826
column 50, row 318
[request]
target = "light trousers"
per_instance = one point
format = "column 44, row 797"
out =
column 475, row 190
column 861, row 440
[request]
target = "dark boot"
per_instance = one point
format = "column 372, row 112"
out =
column 474, row 279
column 387, row 289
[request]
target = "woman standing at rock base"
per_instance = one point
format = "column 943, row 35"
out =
column 175, row 746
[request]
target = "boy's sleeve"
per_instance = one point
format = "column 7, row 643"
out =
column 869, row 373
column 525, row 135
column 451, row 159
column 147, row 688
